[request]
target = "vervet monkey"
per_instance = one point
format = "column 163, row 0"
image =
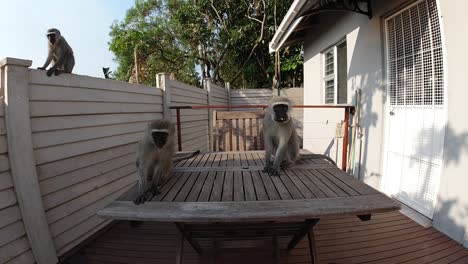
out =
column 155, row 157
column 281, row 137
column 60, row 53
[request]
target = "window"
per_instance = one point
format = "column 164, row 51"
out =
column 335, row 76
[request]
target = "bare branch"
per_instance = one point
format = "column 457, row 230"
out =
column 255, row 46
column 219, row 17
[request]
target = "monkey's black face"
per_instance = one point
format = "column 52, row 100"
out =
column 281, row 113
column 51, row 38
column 159, row 138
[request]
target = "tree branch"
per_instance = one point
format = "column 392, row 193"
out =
column 255, row 46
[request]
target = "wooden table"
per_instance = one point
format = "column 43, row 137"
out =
column 230, row 189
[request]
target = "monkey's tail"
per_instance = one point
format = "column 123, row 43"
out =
column 186, row 156
column 317, row 156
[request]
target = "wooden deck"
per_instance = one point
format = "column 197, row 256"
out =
column 387, row 238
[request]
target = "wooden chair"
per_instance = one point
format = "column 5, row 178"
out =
column 237, row 131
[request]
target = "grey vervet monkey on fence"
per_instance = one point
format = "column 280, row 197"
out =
column 59, row 53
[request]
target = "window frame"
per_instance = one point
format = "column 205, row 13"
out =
column 334, row 76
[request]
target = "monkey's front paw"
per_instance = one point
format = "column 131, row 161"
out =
column 140, row 199
column 50, row 72
column 273, row 172
column 57, row 72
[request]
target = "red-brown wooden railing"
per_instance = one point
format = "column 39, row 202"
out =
column 349, row 109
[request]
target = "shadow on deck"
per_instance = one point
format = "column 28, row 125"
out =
column 387, row 238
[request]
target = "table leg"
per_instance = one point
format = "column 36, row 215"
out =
column 276, row 249
column 187, row 236
column 309, row 224
column 180, row 248
column 312, row 246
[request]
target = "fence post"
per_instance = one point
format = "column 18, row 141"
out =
column 208, row 83
column 228, row 88
column 163, row 81
column 21, row 157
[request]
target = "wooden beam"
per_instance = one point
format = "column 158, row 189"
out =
column 309, row 224
column 187, row 236
column 22, row 161
column 312, row 247
column 254, row 211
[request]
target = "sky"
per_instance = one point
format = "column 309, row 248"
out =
column 85, row 24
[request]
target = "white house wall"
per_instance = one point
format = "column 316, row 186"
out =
column 451, row 215
column 365, row 51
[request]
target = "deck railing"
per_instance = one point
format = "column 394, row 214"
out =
column 348, row 110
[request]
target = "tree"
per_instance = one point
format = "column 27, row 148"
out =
column 218, row 39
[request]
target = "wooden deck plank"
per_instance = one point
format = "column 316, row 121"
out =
column 403, row 253
column 260, row 190
column 305, row 192
column 197, row 186
column 351, row 181
column 172, row 193
column 313, row 177
column 207, row 187
column 437, row 254
column 462, row 260
column 295, row 193
column 228, row 186
column 454, row 257
column 347, row 255
column 168, row 186
column 340, row 183
column 329, row 183
column 282, row 190
column 187, row 187
column 314, row 189
column 269, row 186
column 238, row 186
column 217, row 190
column 248, row 187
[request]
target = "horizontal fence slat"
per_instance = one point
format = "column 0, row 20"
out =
column 74, row 205
column 58, row 137
column 77, row 176
column 11, row 232
column 7, row 198
column 9, row 215
column 14, row 249
column 81, row 238
column 6, row 181
column 63, row 93
column 41, row 108
column 60, row 167
column 54, row 153
column 71, row 192
column 66, row 122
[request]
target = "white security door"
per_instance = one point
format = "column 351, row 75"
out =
column 416, row 106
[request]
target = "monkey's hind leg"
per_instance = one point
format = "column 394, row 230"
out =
column 67, row 66
column 69, row 63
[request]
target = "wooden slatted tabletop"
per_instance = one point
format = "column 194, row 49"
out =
column 231, row 187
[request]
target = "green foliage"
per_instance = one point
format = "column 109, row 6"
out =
column 216, row 39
